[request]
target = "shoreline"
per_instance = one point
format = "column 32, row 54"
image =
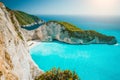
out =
column 33, row 43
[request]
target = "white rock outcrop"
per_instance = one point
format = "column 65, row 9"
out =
column 15, row 60
column 55, row 31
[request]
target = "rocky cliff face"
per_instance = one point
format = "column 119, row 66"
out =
column 65, row 32
column 15, row 60
column 68, row 33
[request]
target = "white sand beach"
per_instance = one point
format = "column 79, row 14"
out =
column 33, row 43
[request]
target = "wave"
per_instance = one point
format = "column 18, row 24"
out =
column 117, row 44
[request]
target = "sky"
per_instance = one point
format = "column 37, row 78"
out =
column 66, row 7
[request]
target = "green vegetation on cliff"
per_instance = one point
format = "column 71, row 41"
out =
column 57, row 74
column 85, row 35
column 68, row 26
column 24, row 18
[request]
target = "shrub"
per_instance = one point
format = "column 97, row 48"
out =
column 58, row 74
column 68, row 26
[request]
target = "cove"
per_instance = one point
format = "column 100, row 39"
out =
column 91, row 62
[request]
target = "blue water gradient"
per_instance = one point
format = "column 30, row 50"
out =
column 91, row 62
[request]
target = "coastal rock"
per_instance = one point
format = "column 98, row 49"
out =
column 61, row 31
column 54, row 30
column 15, row 59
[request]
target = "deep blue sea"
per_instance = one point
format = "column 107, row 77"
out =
column 91, row 62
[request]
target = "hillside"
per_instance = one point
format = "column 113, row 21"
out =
column 24, row 18
column 68, row 33
column 68, row 26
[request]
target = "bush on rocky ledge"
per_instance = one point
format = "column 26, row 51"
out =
column 58, row 74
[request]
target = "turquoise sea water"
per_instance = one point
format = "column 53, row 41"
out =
column 91, row 62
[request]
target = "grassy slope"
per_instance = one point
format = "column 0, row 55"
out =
column 24, row 18
column 68, row 26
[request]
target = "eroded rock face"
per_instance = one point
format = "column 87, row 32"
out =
column 59, row 32
column 15, row 60
column 54, row 31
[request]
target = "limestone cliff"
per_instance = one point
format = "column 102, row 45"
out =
column 68, row 33
column 15, row 60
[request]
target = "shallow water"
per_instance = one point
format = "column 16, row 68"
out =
column 100, row 62
column 91, row 62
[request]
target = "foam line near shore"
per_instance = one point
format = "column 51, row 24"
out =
column 33, row 43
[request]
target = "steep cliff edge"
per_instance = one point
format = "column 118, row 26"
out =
column 68, row 33
column 25, row 19
column 15, row 60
